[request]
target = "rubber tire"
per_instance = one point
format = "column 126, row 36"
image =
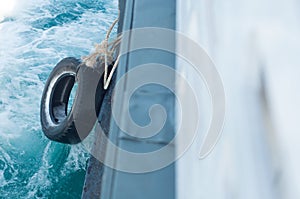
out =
column 77, row 124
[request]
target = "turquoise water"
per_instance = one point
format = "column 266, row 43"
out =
column 32, row 40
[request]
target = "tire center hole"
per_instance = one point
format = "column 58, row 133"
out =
column 62, row 98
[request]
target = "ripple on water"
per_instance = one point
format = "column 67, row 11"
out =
column 31, row 43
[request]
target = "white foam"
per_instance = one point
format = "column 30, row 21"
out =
column 28, row 54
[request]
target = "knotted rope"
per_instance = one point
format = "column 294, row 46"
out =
column 105, row 52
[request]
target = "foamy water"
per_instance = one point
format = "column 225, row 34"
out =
column 34, row 36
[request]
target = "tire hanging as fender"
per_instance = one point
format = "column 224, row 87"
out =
column 57, row 123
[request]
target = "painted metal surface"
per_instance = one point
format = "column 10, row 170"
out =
column 256, row 50
column 157, row 184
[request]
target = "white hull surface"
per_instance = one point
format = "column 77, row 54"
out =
column 255, row 46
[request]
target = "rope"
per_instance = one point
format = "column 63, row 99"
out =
column 105, row 53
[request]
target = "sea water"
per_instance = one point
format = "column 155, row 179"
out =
column 34, row 36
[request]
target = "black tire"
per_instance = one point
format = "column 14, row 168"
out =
column 59, row 125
